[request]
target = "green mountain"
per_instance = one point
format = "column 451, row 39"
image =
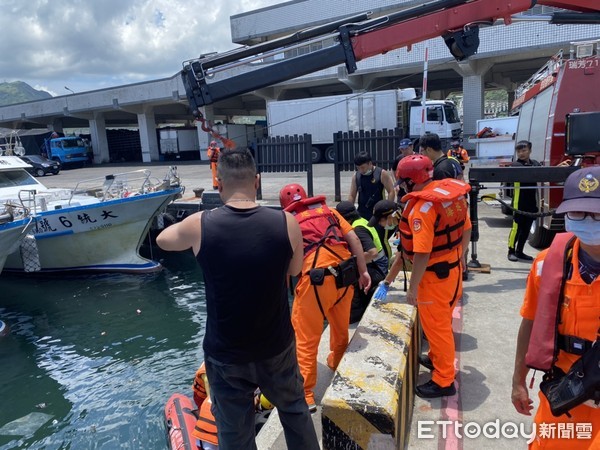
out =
column 19, row 92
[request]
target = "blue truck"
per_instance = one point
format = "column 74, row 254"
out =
column 68, row 150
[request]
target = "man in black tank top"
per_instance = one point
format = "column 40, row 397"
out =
column 246, row 253
column 370, row 183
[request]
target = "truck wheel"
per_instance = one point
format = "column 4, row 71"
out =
column 540, row 237
column 330, row 154
column 316, row 154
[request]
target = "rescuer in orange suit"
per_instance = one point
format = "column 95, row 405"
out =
column 434, row 231
column 563, row 280
column 213, row 156
column 457, row 152
column 324, row 289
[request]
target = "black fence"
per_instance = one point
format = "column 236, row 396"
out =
column 382, row 145
column 293, row 153
column 285, row 154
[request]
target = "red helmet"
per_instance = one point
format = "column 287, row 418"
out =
column 417, row 168
column 290, row 194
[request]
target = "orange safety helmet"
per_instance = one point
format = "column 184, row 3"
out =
column 290, row 194
column 416, row 168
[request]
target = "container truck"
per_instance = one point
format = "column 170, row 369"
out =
column 322, row 117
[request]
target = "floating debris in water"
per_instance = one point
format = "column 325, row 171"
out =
column 26, row 425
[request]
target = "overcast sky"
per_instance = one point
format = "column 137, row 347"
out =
column 93, row 44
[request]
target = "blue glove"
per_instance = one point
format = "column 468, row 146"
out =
column 382, row 291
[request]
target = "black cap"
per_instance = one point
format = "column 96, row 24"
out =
column 382, row 208
column 582, row 191
column 346, row 208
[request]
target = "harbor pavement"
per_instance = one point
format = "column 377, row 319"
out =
column 485, row 323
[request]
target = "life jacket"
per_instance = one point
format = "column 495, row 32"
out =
column 213, row 154
column 446, row 195
column 318, row 224
column 457, row 154
column 206, row 426
column 542, row 351
column 362, row 222
column 198, row 386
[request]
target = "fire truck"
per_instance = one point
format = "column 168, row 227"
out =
column 559, row 113
column 220, row 76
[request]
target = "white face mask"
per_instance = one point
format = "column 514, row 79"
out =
column 586, row 230
column 368, row 172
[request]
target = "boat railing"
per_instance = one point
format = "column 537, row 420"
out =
column 118, row 185
column 11, row 211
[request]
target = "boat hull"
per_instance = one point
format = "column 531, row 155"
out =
column 180, row 422
column 11, row 235
column 100, row 237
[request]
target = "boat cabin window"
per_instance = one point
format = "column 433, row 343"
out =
column 11, row 178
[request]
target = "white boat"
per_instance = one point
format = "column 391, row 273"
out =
column 98, row 226
column 15, row 222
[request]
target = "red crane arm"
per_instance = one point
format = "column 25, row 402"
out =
column 418, row 29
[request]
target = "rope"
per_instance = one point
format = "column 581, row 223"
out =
column 523, row 213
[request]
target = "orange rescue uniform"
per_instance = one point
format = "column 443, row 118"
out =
column 460, row 154
column 307, row 318
column 579, row 316
column 213, row 157
column 436, row 298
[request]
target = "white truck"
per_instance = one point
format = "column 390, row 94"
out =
column 321, row 117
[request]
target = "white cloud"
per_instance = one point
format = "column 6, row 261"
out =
column 89, row 45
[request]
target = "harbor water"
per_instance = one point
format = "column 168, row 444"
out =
column 90, row 361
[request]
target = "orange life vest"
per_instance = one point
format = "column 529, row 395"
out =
column 213, row 154
column 198, row 386
column 449, row 200
column 459, row 153
column 206, row 426
column 542, row 351
column 318, row 224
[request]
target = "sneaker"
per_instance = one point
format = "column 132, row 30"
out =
column 512, row 257
column 433, row 390
column 425, row 361
column 523, row 256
